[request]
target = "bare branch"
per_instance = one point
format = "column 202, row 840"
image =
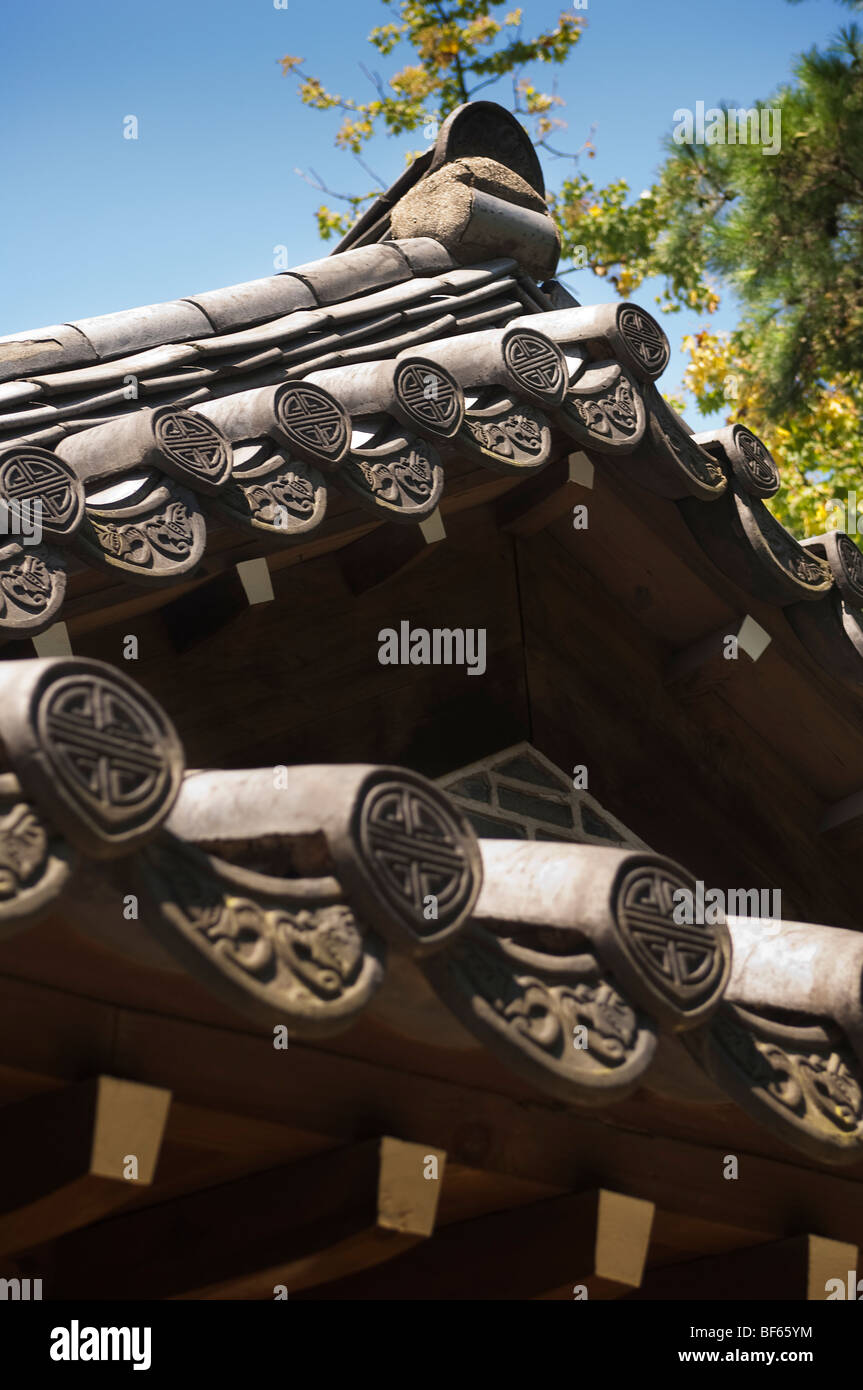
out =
column 376, row 81
column 371, row 173
column 314, row 180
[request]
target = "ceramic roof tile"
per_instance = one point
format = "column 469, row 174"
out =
column 351, row 323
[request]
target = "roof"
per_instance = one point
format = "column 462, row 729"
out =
column 288, row 899
column 435, row 335
column 150, row 436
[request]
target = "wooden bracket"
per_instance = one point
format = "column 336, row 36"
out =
column 296, row 1225
column 67, row 1156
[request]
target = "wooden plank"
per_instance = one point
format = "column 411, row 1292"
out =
column 296, row 1225
column 794, row 1269
column 591, row 1243
column 69, row 1156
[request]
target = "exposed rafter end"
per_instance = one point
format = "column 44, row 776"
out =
column 589, row 1244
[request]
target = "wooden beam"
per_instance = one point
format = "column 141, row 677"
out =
column 796, row 1269
column 332, row 1094
column 295, row 1225
column 589, row 1244
column 67, row 1159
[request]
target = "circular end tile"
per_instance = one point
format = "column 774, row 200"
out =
column 97, row 754
column 537, row 365
column 192, row 449
column 35, row 478
column 674, row 964
column 645, row 340
column 421, row 858
column 430, row 397
column 313, row 422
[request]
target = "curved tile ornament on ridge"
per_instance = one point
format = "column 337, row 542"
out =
column 787, row 1043
column 623, row 902
column 671, row 463
column 303, row 418
column 283, row 437
column 98, row 756
column 417, row 391
column 619, row 331
column 287, row 951
column 393, row 473
column 404, row 854
column 832, row 629
column 566, row 935
column 602, row 407
column 603, row 410
column 746, row 542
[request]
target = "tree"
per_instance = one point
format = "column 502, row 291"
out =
column 462, row 48
column 783, row 231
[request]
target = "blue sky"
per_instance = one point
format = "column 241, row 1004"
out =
column 95, row 222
